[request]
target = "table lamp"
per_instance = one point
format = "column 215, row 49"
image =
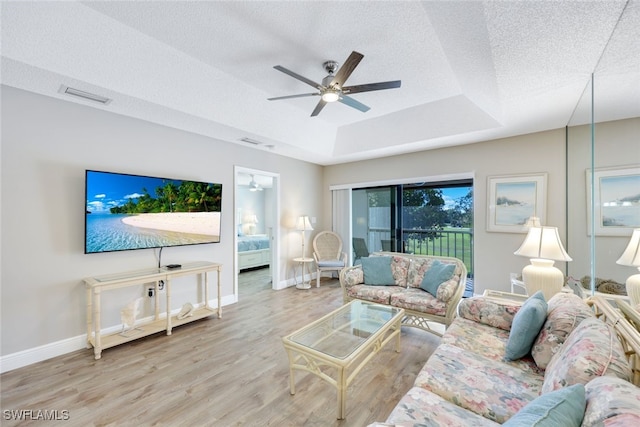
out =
column 303, row 225
column 631, row 257
column 543, row 246
column 252, row 221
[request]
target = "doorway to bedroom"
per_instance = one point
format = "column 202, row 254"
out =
column 256, row 204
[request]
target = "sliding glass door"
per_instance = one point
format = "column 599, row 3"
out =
column 434, row 218
column 375, row 218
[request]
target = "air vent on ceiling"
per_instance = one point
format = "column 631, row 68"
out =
column 250, row 141
column 85, row 95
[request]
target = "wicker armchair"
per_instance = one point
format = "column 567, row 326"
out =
column 328, row 254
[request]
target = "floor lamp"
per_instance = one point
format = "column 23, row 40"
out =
column 543, row 246
column 303, row 225
column 631, row 257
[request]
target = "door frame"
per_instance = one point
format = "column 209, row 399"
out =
column 275, row 235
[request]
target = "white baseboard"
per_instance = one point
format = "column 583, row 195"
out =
column 30, row 356
column 283, row 284
column 43, row 352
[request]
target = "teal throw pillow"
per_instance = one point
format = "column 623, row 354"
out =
column 563, row 407
column 526, row 326
column 377, row 270
column 437, row 274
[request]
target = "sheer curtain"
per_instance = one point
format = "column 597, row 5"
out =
column 341, row 219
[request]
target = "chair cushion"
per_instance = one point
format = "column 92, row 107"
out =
column 526, row 326
column 612, row 402
column 419, row 300
column 563, row 407
column 435, row 275
column 377, row 271
column 564, row 313
column 377, row 294
column 417, row 268
column 491, row 389
column 488, row 311
column 592, row 350
column 485, row 341
column 330, row 263
column 420, row 407
column 400, row 269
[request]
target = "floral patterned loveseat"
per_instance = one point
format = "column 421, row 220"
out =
column 579, row 369
column 428, row 288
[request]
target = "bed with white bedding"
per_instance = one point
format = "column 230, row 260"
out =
column 253, row 251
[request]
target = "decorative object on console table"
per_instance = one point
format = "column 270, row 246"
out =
column 543, row 246
column 631, row 258
column 128, row 316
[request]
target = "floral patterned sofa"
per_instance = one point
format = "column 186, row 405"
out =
column 578, row 369
column 428, row 288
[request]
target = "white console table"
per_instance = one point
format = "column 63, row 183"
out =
column 161, row 321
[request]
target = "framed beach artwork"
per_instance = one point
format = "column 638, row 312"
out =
column 513, row 199
column 616, row 199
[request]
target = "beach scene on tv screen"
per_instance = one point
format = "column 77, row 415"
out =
column 126, row 212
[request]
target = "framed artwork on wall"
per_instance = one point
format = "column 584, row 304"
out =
column 616, row 199
column 513, row 200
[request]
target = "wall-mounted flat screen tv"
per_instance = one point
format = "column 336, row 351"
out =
column 125, row 212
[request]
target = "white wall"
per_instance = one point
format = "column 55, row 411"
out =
column 46, row 146
column 526, row 154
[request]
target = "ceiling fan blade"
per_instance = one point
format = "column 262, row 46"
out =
column 318, row 108
column 347, row 68
column 347, row 100
column 371, row 86
column 298, row 76
column 293, row 96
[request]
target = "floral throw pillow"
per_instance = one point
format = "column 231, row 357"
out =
column 564, row 314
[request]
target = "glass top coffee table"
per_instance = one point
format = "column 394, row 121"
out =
column 337, row 346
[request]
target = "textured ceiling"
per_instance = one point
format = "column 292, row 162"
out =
column 471, row 71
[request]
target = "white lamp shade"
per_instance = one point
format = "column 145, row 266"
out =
column 631, row 255
column 303, row 224
column 545, row 243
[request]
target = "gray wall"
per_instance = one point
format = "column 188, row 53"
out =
column 526, row 154
column 46, row 146
column 617, row 144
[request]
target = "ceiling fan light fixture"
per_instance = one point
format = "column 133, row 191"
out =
column 330, row 95
column 253, row 185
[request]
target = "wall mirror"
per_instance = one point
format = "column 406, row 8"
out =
column 603, row 135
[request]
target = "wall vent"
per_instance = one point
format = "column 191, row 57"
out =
column 250, row 141
column 84, row 95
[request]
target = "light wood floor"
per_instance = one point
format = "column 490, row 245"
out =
column 217, row 372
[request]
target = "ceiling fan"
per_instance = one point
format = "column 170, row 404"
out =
column 253, row 185
column 332, row 88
